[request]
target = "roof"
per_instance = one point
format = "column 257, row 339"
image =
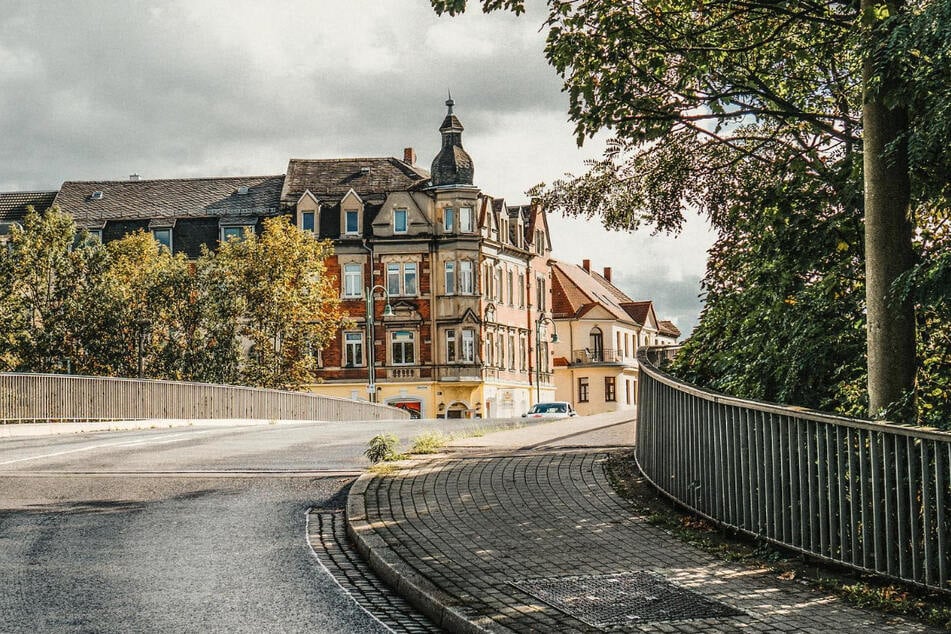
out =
column 331, row 179
column 170, row 198
column 575, row 291
column 13, row 204
column 668, row 328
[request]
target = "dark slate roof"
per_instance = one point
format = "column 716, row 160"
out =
column 13, row 204
column 666, row 327
column 331, row 179
column 171, row 198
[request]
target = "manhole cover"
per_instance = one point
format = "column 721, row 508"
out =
column 625, row 598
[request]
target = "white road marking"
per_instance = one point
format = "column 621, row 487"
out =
column 130, row 443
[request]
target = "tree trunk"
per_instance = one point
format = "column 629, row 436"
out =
column 888, row 249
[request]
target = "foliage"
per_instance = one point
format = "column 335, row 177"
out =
column 429, row 442
column 69, row 303
column 383, row 448
column 290, row 308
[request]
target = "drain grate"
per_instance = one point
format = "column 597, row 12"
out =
column 605, row 601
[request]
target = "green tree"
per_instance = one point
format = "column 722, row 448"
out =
column 44, row 276
column 289, row 307
column 680, row 81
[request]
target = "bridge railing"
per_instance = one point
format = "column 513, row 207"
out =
column 873, row 496
column 54, row 397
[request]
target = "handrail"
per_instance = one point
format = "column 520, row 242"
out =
column 53, row 397
column 869, row 495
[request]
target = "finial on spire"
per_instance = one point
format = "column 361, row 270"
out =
column 449, row 102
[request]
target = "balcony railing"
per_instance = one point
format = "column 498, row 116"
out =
column 593, row 355
column 402, row 374
column 459, row 372
column 873, row 496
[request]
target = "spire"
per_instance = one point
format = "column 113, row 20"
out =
column 452, row 165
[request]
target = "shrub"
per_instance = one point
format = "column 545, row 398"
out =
column 382, row 447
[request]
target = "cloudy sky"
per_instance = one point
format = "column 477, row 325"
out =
column 100, row 89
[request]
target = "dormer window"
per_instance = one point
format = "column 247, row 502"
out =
column 308, row 221
column 96, row 195
column 234, row 228
column 399, row 221
column 163, row 236
column 352, row 218
column 465, row 219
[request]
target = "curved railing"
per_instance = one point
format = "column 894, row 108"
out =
column 873, row 496
column 54, row 397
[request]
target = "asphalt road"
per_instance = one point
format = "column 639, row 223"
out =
column 176, row 530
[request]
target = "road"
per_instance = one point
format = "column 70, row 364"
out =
column 177, row 530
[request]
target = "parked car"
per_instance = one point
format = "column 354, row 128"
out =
column 555, row 409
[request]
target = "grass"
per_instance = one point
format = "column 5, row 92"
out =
column 862, row 590
column 430, row 442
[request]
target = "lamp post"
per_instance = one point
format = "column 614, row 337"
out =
column 371, row 337
column 538, row 352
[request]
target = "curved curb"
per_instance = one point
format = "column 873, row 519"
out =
column 416, row 589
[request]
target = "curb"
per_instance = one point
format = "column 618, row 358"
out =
column 424, row 596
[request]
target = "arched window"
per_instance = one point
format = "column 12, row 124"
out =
column 596, row 345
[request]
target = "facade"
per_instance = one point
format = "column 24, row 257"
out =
column 599, row 331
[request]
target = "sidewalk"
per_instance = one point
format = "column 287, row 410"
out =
column 521, row 531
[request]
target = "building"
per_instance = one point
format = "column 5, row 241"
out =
column 599, row 332
column 13, row 207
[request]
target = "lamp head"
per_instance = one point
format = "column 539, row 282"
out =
column 388, row 310
column 554, row 337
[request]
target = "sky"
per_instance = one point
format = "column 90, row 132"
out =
column 101, row 89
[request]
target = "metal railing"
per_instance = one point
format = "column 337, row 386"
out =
column 597, row 355
column 873, row 496
column 53, row 397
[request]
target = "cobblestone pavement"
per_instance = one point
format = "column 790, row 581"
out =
column 496, row 542
column 326, row 532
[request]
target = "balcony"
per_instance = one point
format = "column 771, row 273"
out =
column 409, row 373
column 459, row 372
column 593, row 356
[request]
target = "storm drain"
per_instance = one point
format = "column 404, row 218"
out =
column 629, row 598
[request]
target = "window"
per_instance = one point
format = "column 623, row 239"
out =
column 540, row 293
column 486, row 280
column 393, row 279
column 409, row 278
column 399, row 221
column 403, row 347
column 627, row 344
column 489, row 349
column 521, row 290
column 232, row 233
column 500, row 354
column 450, row 278
column 352, row 280
column 353, row 348
column 465, row 277
column 511, row 352
column 450, row 346
column 539, row 242
column 449, row 220
column 307, row 221
column 163, row 236
column 401, row 278
column 511, row 288
column 627, row 389
column 465, row 219
column 609, row 389
column 498, row 284
column 95, row 234
column 468, row 346
column 583, row 389
column 353, row 221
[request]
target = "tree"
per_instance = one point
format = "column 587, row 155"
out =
column 43, row 275
column 690, row 88
column 289, row 306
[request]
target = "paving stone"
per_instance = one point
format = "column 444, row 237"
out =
column 474, row 525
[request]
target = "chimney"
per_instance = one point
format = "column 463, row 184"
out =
column 133, row 177
column 409, row 156
column 607, row 273
column 586, row 265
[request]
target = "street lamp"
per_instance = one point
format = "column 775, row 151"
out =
column 371, row 337
column 538, row 348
